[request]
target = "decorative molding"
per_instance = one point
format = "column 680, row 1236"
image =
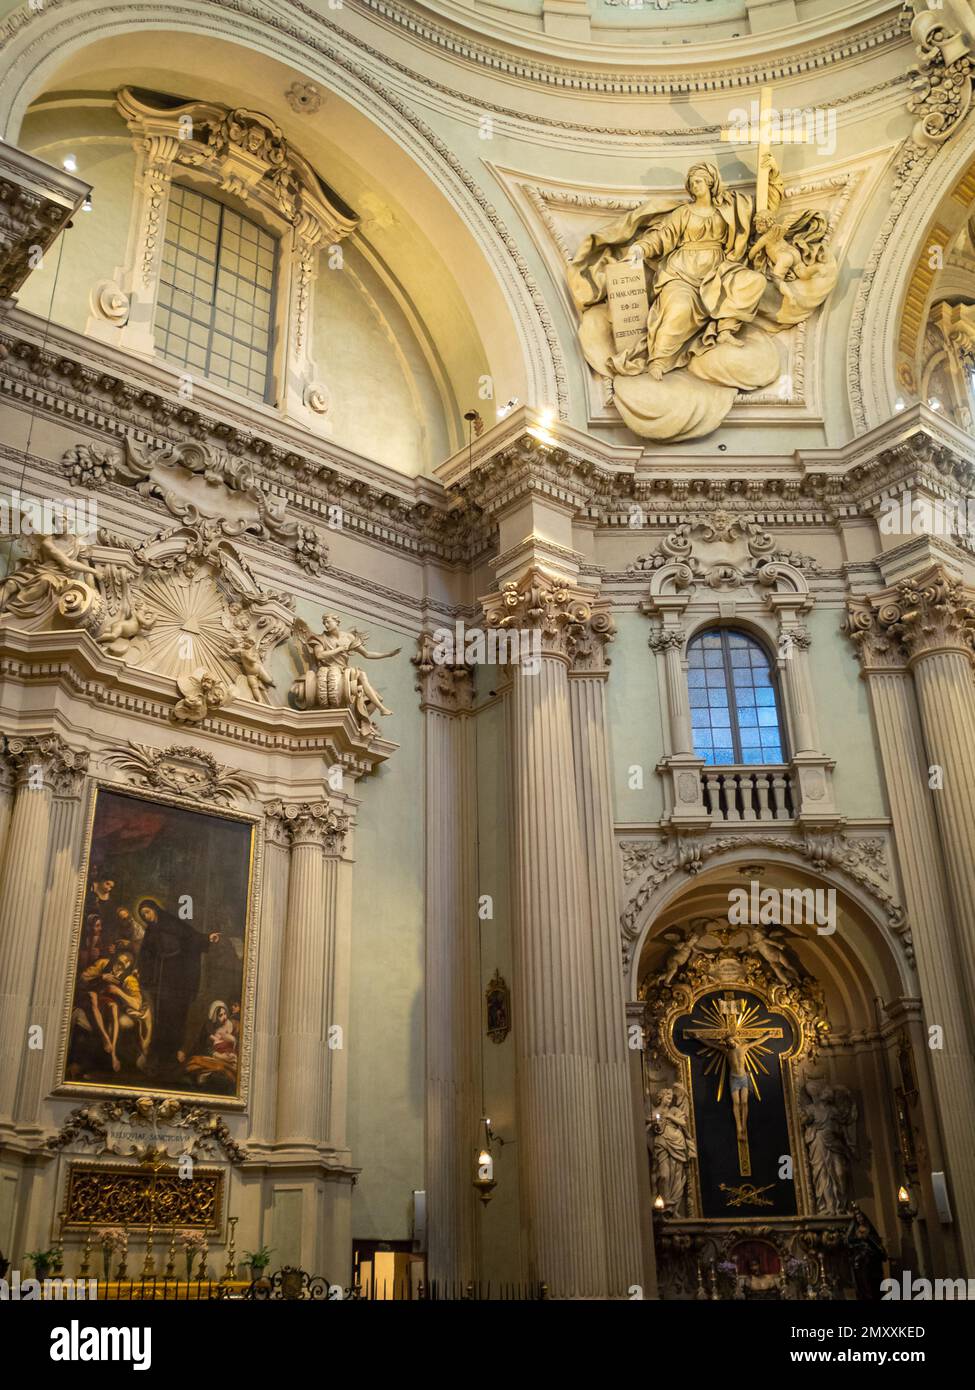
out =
column 444, row 685
column 36, row 203
column 199, row 484
column 924, row 614
column 861, row 858
column 696, row 562
column 571, row 622
column 61, row 767
column 202, row 1131
column 941, row 83
column 183, row 604
column 313, row 823
column 244, row 151
column 181, row 769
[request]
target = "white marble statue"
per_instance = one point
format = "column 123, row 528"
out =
column 722, row 280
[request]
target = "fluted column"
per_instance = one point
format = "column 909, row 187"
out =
column 38, row 764
column 626, row 1262
column 941, row 962
column 59, row 899
column 559, row 1150
column 264, row 1066
column 446, row 690
column 315, row 832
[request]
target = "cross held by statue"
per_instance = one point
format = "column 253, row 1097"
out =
column 764, row 126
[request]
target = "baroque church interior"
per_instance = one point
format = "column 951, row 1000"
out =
column 487, row 622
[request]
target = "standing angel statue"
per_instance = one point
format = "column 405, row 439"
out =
column 722, row 278
column 330, row 681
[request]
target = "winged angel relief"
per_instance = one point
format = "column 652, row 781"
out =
column 721, row 280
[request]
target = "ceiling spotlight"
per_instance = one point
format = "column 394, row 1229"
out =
column 70, row 163
column 504, row 410
column 898, row 404
column 86, row 205
column 934, row 403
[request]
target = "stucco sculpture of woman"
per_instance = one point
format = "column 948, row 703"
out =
column 671, row 1146
column 721, row 280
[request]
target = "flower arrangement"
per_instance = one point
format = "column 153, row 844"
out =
column 44, row 1261
column 112, row 1238
column 194, row 1243
column 727, row 1278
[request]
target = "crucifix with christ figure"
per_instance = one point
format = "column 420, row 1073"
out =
column 763, row 132
column 734, row 1038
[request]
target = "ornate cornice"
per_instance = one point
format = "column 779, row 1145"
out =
column 313, row 823
column 611, row 71
column 36, row 203
column 45, row 759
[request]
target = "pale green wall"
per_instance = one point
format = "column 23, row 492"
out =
column 94, row 246
column 844, row 719
column 385, row 403
column 386, row 1059
column 635, row 721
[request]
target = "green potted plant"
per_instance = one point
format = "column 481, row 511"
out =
column 258, row 1261
column 44, row 1261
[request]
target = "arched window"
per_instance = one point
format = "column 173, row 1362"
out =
column 216, row 290
column 734, row 704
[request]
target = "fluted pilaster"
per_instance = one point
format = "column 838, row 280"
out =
column 450, row 968
column 560, row 1154
column 315, row 833
column 264, row 1068
column 921, row 855
column 41, row 765
column 625, row 1264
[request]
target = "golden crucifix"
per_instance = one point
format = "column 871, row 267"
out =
column 761, row 132
column 734, row 1041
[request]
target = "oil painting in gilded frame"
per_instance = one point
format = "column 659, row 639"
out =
column 161, row 974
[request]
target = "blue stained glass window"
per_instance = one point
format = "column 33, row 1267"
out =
column 733, row 699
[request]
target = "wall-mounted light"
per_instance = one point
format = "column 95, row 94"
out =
column 905, row 1209
column 658, row 1203
column 485, row 1182
column 898, row 404
column 70, row 163
column 86, row 205
column 934, row 403
column 504, row 410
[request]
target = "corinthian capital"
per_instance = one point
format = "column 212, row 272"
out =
column 876, row 647
column 932, row 612
column 571, row 623
column 444, row 679
column 45, row 761
column 309, row 823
